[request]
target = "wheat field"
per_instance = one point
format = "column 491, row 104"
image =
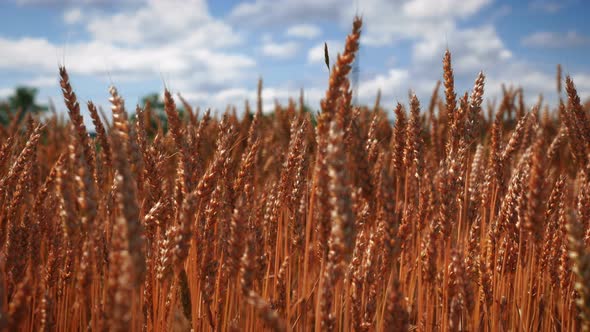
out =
column 454, row 216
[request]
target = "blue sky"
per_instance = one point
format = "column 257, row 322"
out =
column 214, row 51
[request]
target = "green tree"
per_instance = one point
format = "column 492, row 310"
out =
column 155, row 102
column 24, row 98
column 157, row 108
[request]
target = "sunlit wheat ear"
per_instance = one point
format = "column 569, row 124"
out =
column 176, row 130
column 575, row 105
column 5, row 151
column 73, row 106
column 341, row 69
column 126, row 198
column 449, row 83
column 102, row 137
column 580, row 256
column 412, row 157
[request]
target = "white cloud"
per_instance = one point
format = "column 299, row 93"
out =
column 582, row 82
column 390, row 84
column 472, row 49
column 195, row 51
column 176, row 39
column 385, row 21
column 5, row 92
column 556, row 40
column 520, row 75
column 395, row 85
column 73, row 16
column 429, row 25
column 264, row 12
column 237, row 96
column 164, row 22
column 36, row 53
column 379, row 15
column 307, row 31
column 97, row 57
column 280, row 50
column 532, row 80
column 443, row 8
column 42, row 81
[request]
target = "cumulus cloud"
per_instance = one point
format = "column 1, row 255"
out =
column 582, row 82
column 545, row 39
column 307, row 31
column 73, row 16
column 520, row 75
column 172, row 38
column 42, row 81
column 164, row 22
column 280, row 50
column 197, row 51
column 386, row 21
column 5, row 92
column 472, row 49
column 443, row 8
column 237, row 96
column 532, row 80
column 397, row 82
column 265, row 12
column 32, row 53
column 390, row 84
column 97, row 57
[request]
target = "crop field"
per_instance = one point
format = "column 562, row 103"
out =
column 455, row 214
